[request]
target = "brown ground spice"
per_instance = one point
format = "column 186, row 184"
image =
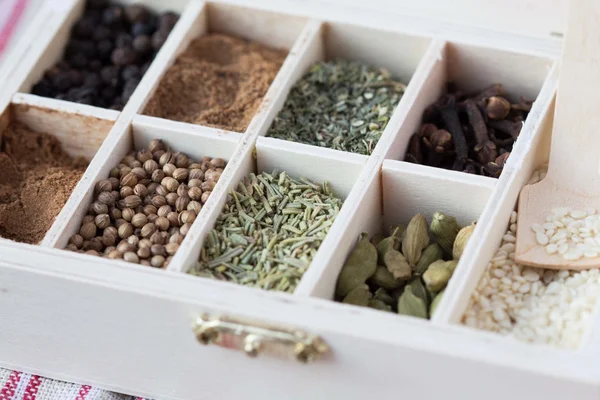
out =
column 218, row 81
column 37, row 179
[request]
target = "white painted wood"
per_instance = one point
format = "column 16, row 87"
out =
column 409, row 189
column 318, row 164
column 573, row 178
column 276, row 30
column 91, row 308
column 117, row 307
column 80, row 129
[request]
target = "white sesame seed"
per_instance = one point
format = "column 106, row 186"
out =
column 541, row 238
column 562, row 248
column 551, row 248
column 578, row 214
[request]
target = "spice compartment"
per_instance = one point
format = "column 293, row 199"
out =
column 472, row 69
column 333, row 41
column 194, row 141
column 342, row 174
column 80, row 135
column 274, row 30
column 398, row 193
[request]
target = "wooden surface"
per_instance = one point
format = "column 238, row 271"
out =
column 573, row 178
column 66, row 308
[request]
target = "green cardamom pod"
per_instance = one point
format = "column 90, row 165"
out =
column 432, row 253
column 462, row 238
column 397, row 231
column 397, row 265
column 360, row 266
column 437, row 276
column 418, row 289
column 396, row 293
column 416, row 238
column 384, row 246
column 383, row 295
column 376, row 239
column 434, row 303
column 451, row 265
column 379, row 305
column 410, row 304
column 359, row 296
column 384, row 278
column 444, row 228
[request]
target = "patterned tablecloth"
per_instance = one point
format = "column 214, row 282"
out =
column 14, row 385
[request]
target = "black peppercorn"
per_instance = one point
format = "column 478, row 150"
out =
column 76, row 77
column 92, row 80
column 110, row 75
column 108, row 93
column 144, row 68
column 78, row 60
column 102, row 33
column 84, row 28
column 62, row 81
column 167, row 21
column 130, row 72
column 158, row 39
column 109, row 50
column 136, row 13
column 142, row 44
column 141, row 28
column 104, row 49
column 95, row 4
column 44, row 88
column 116, row 106
column 72, row 47
column 95, row 65
column 87, row 48
column 82, row 95
column 128, row 89
column 123, row 40
column 123, row 56
column 112, row 15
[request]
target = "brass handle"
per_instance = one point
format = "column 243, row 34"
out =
column 255, row 339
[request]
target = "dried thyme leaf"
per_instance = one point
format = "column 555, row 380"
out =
column 342, row 105
column 268, row 232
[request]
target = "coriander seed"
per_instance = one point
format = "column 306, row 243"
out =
column 88, row 230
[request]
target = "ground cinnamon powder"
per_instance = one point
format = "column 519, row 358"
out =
column 218, row 81
column 37, row 179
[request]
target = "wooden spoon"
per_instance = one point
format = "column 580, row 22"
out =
column 573, row 179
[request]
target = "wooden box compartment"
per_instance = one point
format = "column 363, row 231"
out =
column 62, row 309
column 80, row 134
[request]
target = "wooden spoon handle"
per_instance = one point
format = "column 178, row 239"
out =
column 575, row 152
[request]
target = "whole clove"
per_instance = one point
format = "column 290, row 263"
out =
column 473, row 133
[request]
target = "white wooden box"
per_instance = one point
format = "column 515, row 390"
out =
column 128, row 328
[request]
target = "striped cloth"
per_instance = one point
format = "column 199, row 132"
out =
column 21, row 386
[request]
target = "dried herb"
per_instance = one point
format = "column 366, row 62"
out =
column 268, row 232
column 473, row 134
column 342, row 105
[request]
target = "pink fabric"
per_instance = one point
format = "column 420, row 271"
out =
column 20, row 386
column 9, row 20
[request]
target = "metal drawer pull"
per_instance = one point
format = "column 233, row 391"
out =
column 256, row 339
